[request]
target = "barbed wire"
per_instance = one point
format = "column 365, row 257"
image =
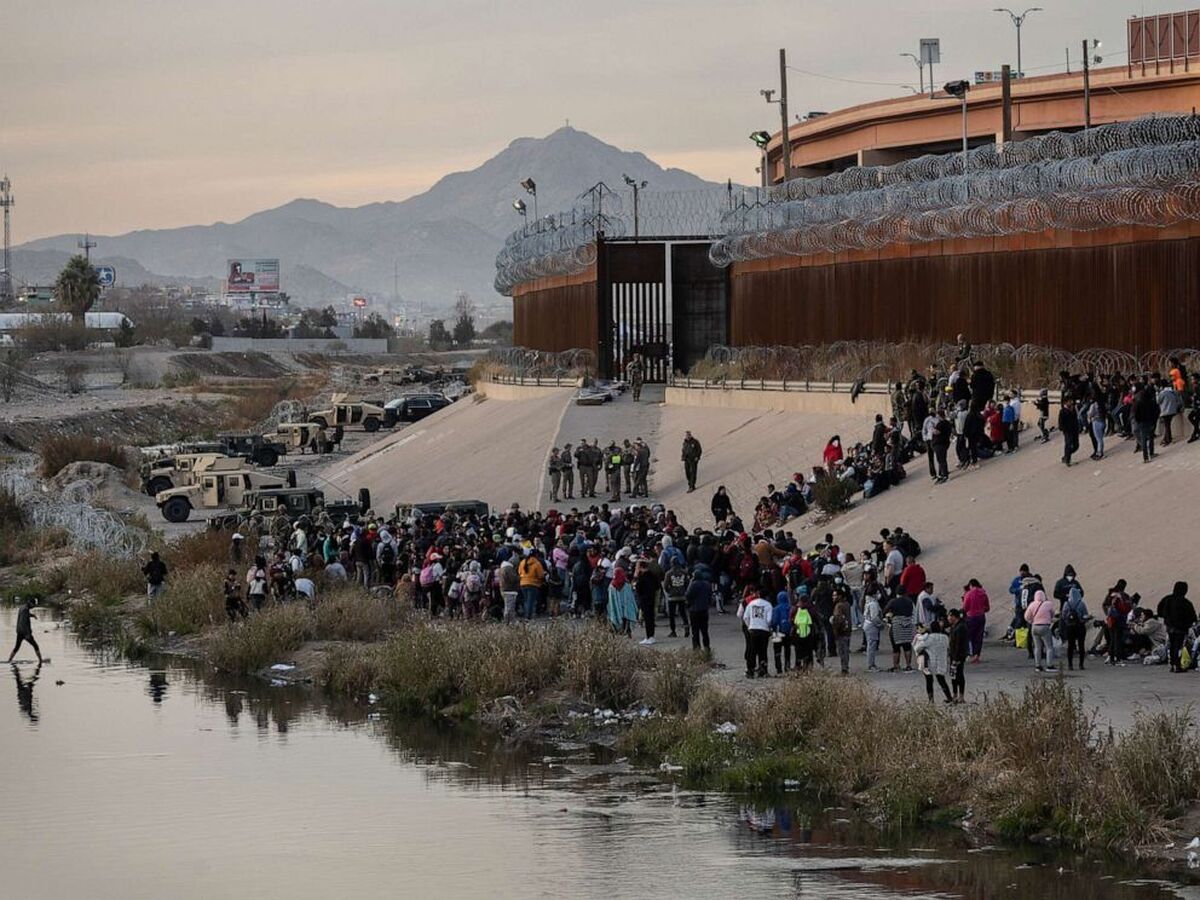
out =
column 1030, row 365
column 1143, row 172
column 522, row 362
column 73, row 511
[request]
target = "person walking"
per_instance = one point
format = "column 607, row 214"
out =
column 1178, row 615
column 975, row 607
column 1068, row 424
column 25, row 616
column 155, row 571
column 691, row 459
column 647, row 585
column 935, row 645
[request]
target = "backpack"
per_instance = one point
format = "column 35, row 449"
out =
column 427, row 576
column 387, row 554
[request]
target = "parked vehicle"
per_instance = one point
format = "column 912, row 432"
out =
column 218, row 487
column 343, row 414
column 294, row 502
column 406, row 511
column 262, row 450
column 179, row 470
column 299, row 436
column 413, row 407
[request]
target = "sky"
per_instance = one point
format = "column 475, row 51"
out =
column 135, row 114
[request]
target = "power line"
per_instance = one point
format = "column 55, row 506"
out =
column 896, row 84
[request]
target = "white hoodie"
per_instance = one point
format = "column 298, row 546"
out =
column 757, row 615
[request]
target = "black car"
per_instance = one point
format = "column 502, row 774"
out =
column 415, row 406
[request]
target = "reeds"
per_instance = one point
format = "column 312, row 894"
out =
column 61, row 450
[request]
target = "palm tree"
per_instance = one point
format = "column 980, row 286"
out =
column 78, row 287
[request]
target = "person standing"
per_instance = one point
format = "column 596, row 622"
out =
column 839, row 624
column 1042, row 405
column 781, row 633
column 1072, row 625
column 613, row 471
column 699, row 599
column 1179, row 615
column 975, row 608
column 1145, row 418
column 627, row 465
column 691, row 460
column 756, row 616
column 641, row 468
column 1068, row 424
column 957, row 655
column 934, row 643
column 622, row 604
column 675, row 586
column 635, row 374
column 235, row 607
column 510, row 586
column 554, row 470
column 533, row 575
column 583, row 464
column 25, row 630
column 1040, row 616
column 647, row 585
column 722, row 506
column 155, row 571
column 873, row 625
column 1169, row 406
column 567, row 471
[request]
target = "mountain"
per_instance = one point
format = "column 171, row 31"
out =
column 439, row 242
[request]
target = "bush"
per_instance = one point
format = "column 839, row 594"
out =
column 108, row 579
column 191, row 601
column 603, row 667
column 75, row 377
column 52, row 332
column 673, row 682
column 203, row 548
column 833, row 495
column 350, row 669
column 186, row 378
column 265, row 638
column 350, row 615
column 59, row 451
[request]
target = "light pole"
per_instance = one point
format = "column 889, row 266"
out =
column 959, row 89
column 920, row 68
column 761, row 139
column 1018, row 21
column 531, row 188
column 1088, row 61
column 637, row 187
column 519, row 206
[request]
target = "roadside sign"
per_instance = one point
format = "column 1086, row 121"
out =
column 107, row 276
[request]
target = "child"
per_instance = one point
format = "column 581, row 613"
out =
column 1042, row 405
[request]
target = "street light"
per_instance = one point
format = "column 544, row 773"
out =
column 761, row 139
column 531, row 188
column 959, row 89
column 1018, row 21
column 637, row 188
column 920, row 68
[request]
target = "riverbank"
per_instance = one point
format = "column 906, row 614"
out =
column 1022, row 767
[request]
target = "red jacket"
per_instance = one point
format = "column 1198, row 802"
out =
column 912, row 579
column 975, row 602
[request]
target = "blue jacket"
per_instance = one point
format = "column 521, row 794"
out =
column 781, row 616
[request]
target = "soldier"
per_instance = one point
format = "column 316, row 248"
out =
column 583, row 461
column 691, row 459
column 627, row 465
column 641, row 468
column 568, row 472
column 614, row 472
column 553, row 467
column 597, row 458
column 635, row 374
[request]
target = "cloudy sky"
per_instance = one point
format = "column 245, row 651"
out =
column 152, row 113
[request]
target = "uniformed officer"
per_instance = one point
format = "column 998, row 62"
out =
column 614, row 472
column 635, row 374
column 627, row 465
column 555, row 470
column 568, row 472
column 641, row 468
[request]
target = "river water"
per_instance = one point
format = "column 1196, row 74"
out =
column 124, row 781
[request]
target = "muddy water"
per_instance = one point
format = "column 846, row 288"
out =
column 162, row 782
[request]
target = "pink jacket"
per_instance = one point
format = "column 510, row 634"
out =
column 1040, row 611
column 975, row 602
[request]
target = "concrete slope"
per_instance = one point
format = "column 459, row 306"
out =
column 490, row 450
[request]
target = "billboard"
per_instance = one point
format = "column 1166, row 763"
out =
column 248, row 276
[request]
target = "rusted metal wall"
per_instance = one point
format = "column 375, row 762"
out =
column 559, row 317
column 1135, row 297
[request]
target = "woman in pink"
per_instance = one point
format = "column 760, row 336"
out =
column 975, row 609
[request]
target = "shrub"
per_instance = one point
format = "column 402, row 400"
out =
column 350, row 615
column 264, row 638
column 50, row 332
column 108, row 579
column 350, row 669
column 186, row 378
column 202, row 548
column 75, row 377
column 59, row 451
column 673, row 682
column 603, row 667
column 833, row 495
column 191, row 601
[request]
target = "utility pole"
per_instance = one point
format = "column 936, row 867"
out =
column 86, row 246
column 1087, row 88
column 783, row 116
column 6, row 201
column 1006, row 103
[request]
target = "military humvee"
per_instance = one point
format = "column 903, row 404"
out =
column 219, row 486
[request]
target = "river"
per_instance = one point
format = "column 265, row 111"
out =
column 127, row 781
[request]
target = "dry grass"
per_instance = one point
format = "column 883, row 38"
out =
column 263, row 639
column 1034, row 764
column 191, row 601
column 107, row 578
column 60, row 451
column 348, row 614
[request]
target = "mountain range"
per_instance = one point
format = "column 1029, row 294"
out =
column 434, row 244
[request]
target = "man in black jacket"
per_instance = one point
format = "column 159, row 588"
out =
column 1145, row 420
column 958, row 655
column 1068, row 424
column 1179, row 615
column 983, row 387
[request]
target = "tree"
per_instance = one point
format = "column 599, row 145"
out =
column 312, row 324
column 329, row 317
column 125, row 336
column 438, row 335
column 374, row 326
column 78, row 287
column 501, row 332
column 464, row 319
